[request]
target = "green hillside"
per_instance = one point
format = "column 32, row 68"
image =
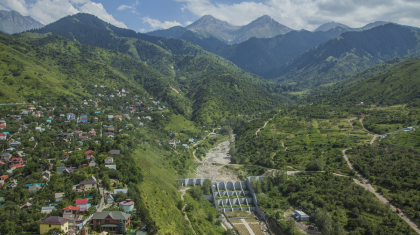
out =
column 399, row 85
column 323, row 92
column 348, row 54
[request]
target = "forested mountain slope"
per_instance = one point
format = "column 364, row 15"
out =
column 348, row 54
column 337, row 88
column 399, row 85
column 260, row 55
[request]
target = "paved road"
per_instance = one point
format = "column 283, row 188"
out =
column 365, row 184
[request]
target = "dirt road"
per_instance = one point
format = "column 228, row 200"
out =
column 351, row 119
column 265, row 124
column 183, row 210
column 374, row 136
column 366, row 184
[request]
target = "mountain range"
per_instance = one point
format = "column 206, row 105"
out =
column 13, row 22
column 331, row 25
column 210, row 27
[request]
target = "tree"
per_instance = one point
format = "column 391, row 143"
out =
column 120, row 227
column 206, row 186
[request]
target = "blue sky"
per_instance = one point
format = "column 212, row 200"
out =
column 149, row 15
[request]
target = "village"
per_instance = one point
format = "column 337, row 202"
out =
column 67, row 164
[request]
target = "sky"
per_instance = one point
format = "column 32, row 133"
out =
column 149, row 15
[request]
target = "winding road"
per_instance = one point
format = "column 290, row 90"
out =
column 365, row 184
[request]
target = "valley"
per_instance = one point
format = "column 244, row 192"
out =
column 211, row 128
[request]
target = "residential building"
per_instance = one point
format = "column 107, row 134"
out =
column 54, row 222
column 88, row 184
column 109, row 199
column 124, row 190
column 46, row 174
column 60, row 169
column 48, row 209
column 114, row 152
column 127, row 205
column 70, row 116
column 71, row 213
column 34, row 188
column 4, row 177
column 3, row 137
column 15, row 144
column 82, row 203
column 111, row 166
column 59, row 197
column 6, row 157
column 92, row 132
column 26, row 206
column 109, row 220
column 109, row 160
column 110, row 117
column 30, row 108
column 92, row 163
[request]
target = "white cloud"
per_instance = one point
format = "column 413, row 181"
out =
column 98, row 10
column 156, row 24
column 48, row 11
column 142, row 30
column 309, row 14
column 188, row 23
column 123, row 7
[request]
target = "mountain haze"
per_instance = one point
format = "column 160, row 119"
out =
column 13, row 22
column 330, row 25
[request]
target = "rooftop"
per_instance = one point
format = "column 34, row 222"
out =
column 54, row 220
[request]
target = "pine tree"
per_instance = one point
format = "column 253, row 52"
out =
column 120, row 227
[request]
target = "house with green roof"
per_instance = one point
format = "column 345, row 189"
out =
column 109, row 220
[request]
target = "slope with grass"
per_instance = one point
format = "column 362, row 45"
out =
column 347, row 55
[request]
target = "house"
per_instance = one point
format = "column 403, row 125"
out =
column 30, row 108
column 90, row 151
column 109, row 199
column 60, row 169
column 116, row 191
column 3, row 137
column 54, row 222
column 88, row 184
column 12, row 184
column 4, row 177
column 84, row 231
column 114, row 152
column 111, row 166
column 95, row 119
column 110, row 117
column 82, row 203
column 171, row 142
column 118, row 116
column 300, row 216
column 71, row 212
column 46, row 174
column 47, row 209
column 34, row 188
column 70, row 116
column 70, row 169
column 92, row 132
column 92, row 163
column 16, row 160
column 109, row 160
column 89, row 157
column 59, row 197
column 2, row 126
column 2, row 121
column 6, row 157
column 83, row 138
column 25, row 206
column 111, row 129
column 15, row 144
column 127, row 205
column 109, row 220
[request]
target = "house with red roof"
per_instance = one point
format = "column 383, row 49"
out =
column 90, row 151
column 2, row 126
column 71, row 116
column 83, row 204
column 4, row 177
column 71, row 213
column 16, row 160
column 92, row 132
column 3, row 136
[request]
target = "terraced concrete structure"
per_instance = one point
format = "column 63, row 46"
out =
column 231, row 195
